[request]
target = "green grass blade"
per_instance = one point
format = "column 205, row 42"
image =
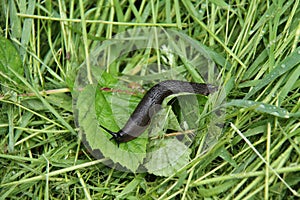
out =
column 286, row 65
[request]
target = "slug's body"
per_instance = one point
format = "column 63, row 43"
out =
column 151, row 103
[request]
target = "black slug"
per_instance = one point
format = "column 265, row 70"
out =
column 151, row 103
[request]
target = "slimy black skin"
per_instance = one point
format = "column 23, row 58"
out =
column 151, row 104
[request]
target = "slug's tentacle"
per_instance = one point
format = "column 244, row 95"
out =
column 151, row 103
column 114, row 134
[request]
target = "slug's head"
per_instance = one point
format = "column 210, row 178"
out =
column 119, row 136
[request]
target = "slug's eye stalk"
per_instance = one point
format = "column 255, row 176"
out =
column 115, row 135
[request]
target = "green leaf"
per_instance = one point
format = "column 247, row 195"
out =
column 9, row 59
column 94, row 109
column 167, row 156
